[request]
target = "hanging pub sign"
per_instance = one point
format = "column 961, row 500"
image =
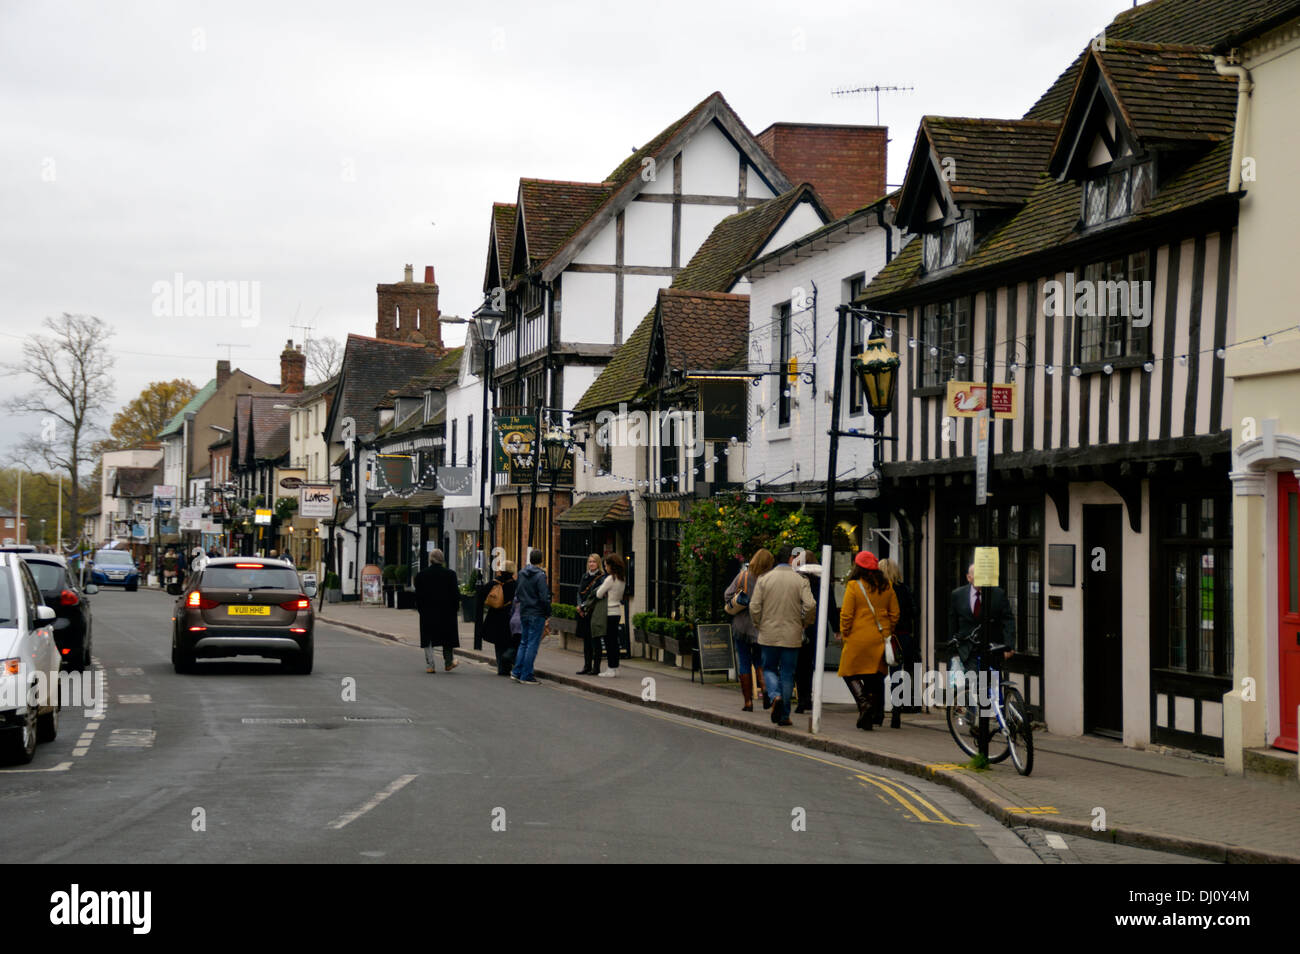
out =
column 724, row 407
column 514, row 449
column 563, row 479
column 455, row 481
column 966, row 399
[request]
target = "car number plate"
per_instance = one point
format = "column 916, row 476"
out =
column 249, row 610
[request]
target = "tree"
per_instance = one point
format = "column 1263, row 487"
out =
column 324, row 358
column 72, row 367
column 144, row 418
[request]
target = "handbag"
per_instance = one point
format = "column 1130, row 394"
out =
column 740, row 601
column 893, row 648
column 495, row 598
column 516, row 624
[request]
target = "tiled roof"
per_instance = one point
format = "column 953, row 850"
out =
column 503, row 230
column 191, row 406
column 731, row 245
column 1195, row 22
column 261, row 429
column 1169, row 93
column 370, row 366
column 599, row 509
column 552, row 211
column 995, row 161
column 315, row 391
column 417, row 501
column 704, row 330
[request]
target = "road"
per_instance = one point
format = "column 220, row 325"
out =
column 372, row 759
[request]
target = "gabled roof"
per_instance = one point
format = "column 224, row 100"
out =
column 1163, row 95
column 1207, row 23
column 829, row 234
column 599, row 508
column 191, row 407
column 444, row 374
column 501, row 244
column 715, row 267
column 703, row 330
column 370, row 366
column 261, row 431
column 549, row 212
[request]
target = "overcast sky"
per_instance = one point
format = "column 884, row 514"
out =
column 312, row 149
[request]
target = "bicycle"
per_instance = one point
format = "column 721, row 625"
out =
column 1010, row 731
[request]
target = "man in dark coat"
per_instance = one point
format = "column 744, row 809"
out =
column 966, row 607
column 437, row 597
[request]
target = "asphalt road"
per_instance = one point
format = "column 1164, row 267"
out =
column 372, row 759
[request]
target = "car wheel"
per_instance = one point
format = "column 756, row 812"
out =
column 47, row 725
column 182, row 662
column 132, row 587
column 20, row 742
column 300, row 664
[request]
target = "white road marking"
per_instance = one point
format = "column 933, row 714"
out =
column 273, row 721
column 1057, row 842
column 131, row 739
column 140, row 697
column 393, row 787
column 130, row 671
column 61, row 767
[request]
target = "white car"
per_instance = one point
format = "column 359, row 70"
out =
column 29, row 664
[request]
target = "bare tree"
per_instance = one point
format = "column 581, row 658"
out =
column 73, row 371
column 324, row 359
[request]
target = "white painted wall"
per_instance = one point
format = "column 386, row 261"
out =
column 755, row 187
column 697, row 224
column 577, row 378
column 802, row 220
column 640, row 292
column 588, row 312
column 600, row 250
column 648, row 233
column 710, row 164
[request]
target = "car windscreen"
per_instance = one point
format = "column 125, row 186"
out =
column 49, row 576
column 113, row 558
column 249, row 578
column 6, row 599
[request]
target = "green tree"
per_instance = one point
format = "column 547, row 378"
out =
column 144, row 418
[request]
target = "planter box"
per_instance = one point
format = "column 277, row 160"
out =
column 568, row 627
column 468, row 608
column 655, row 639
column 333, row 596
column 679, row 647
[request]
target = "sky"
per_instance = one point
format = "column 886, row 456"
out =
column 307, row 151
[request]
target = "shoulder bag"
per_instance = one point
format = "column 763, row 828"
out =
column 495, row 598
column 893, row 648
column 740, row 602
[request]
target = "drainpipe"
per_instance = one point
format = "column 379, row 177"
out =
column 1244, row 87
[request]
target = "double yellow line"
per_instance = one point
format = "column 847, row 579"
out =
column 905, row 797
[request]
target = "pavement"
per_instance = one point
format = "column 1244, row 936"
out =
column 1082, row 786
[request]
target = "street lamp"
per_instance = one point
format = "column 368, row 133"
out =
column 555, row 445
column 877, row 369
column 487, row 322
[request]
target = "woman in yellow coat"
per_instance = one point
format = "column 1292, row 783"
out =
column 867, row 619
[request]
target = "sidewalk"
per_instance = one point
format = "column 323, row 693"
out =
column 1150, row 800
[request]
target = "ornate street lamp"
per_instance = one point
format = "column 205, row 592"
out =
column 877, row 369
column 487, row 322
column 555, row 445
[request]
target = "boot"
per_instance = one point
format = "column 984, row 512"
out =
column 863, row 699
column 747, row 690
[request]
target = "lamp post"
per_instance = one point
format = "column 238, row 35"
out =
column 878, row 371
column 556, row 446
column 487, row 322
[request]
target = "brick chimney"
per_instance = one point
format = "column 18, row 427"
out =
column 408, row 310
column 293, row 368
column 845, row 164
column 223, row 372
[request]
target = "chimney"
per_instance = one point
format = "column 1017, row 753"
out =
column 845, row 164
column 293, row 369
column 410, row 274
column 223, row 372
column 428, row 274
column 408, row 311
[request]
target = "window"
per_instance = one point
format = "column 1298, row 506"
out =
column 784, row 331
column 1113, row 305
column 945, row 334
column 469, row 442
column 453, row 442
column 1197, row 586
column 670, row 435
column 1117, row 192
column 857, row 340
column 949, row 245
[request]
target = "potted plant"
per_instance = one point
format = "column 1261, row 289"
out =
column 639, row 631
column 564, row 620
column 679, row 637
column 469, row 598
column 333, row 590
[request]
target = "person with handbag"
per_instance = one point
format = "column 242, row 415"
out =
column 867, row 622
column 500, row 608
column 611, row 592
column 591, row 646
column 744, row 634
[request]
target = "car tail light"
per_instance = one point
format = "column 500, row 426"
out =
column 301, row 603
column 10, row 666
column 65, row 651
column 197, row 600
column 69, row 598
column 297, row 629
column 249, row 566
column 198, row 629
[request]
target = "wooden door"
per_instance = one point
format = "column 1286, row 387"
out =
column 1103, row 620
column 1288, row 608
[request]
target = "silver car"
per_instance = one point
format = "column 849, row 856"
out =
column 29, row 664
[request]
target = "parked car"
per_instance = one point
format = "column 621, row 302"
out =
column 114, row 568
column 29, row 659
column 59, row 589
column 244, row 606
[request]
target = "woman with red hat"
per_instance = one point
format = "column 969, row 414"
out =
column 867, row 620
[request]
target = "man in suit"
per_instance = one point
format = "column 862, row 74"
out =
column 437, row 598
column 967, row 608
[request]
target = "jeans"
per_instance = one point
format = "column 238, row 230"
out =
column 778, row 673
column 529, row 643
column 748, row 655
column 613, row 631
column 431, row 653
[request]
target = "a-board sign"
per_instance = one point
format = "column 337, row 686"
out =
column 714, row 642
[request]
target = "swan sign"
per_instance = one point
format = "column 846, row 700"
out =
column 966, row 399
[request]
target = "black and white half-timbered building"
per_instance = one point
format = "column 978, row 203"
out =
column 1089, row 251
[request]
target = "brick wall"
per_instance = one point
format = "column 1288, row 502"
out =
column 845, row 164
column 408, row 310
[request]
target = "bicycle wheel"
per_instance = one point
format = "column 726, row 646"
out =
column 962, row 731
column 1021, row 741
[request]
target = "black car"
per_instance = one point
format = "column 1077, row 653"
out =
column 59, row 589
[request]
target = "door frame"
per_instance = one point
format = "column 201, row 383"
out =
column 1115, row 511
column 1285, row 481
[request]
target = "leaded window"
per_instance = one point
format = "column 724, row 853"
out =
column 1113, row 303
column 945, row 336
column 1117, row 193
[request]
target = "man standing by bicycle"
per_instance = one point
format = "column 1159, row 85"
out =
column 971, row 606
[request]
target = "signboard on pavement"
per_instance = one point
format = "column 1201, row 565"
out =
column 714, row 642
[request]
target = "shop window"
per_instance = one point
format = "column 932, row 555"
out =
column 1196, row 588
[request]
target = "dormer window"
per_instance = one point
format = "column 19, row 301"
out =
column 1117, row 192
column 949, row 245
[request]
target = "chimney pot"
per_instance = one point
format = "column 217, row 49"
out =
column 410, row 274
column 428, row 274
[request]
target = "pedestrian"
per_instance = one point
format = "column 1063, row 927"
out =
column 904, row 629
column 781, row 607
column 967, row 608
column 500, row 604
column 534, row 596
column 803, row 673
column 611, row 590
column 744, row 634
column 437, row 599
column 866, row 620
column 591, row 646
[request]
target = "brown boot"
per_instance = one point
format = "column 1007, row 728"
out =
column 747, row 689
column 863, row 698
